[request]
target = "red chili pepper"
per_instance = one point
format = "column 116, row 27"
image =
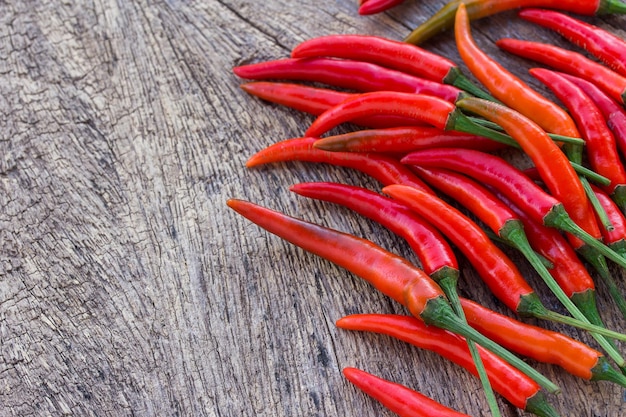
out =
column 600, row 43
column 509, row 222
column 477, row 9
column 554, row 167
column 389, row 273
column 508, row 88
column 369, row 7
column 541, row 344
column 600, row 145
column 384, row 169
column 355, row 75
column 512, row 183
column 403, row 140
column 434, row 253
column 315, row 100
column 494, row 267
column 569, row 267
column 398, row 398
column 514, row 386
column 614, row 114
column 419, row 107
column 569, row 62
column 388, row 53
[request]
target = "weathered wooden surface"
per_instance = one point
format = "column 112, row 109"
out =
column 126, row 285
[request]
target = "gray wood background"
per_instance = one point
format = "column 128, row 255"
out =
column 127, row 287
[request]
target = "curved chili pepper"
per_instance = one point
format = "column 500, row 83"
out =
column 434, row 253
column 614, row 114
column 512, row 183
column 497, row 271
column 388, row 53
column 568, row 267
column 508, row 88
column 541, row 344
column 355, row 75
column 369, row 7
column 552, row 164
column 600, row 43
column 477, row 9
column 398, row 398
column 514, row 386
column 384, row 169
column 315, row 100
column 513, row 225
column 404, row 139
column 600, row 145
column 616, row 239
column 420, row 107
column 389, row 273
column 570, row 62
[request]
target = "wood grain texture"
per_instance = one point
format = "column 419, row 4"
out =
column 127, row 287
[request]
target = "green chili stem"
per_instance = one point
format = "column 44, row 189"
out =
column 439, row 313
column 599, row 263
column 449, row 287
column 595, row 203
column 456, row 78
column 514, row 232
column 555, row 137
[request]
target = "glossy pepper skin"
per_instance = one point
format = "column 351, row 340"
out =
column 315, row 101
column 407, row 58
column 433, row 251
column 508, row 88
column 383, row 168
column 356, row 75
column 388, row 273
column 477, row 9
column 600, row 144
column 600, row 43
column 552, row 164
column 399, row 140
column 400, row 399
column 614, row 114
column 370, row 7
column 516, row 387
column 569, row 62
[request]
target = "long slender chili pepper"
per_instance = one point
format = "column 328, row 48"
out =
column 377, row 6
column 541, row 344
column 420, row 107
column 552, row 165
column 400, row 399
column 389, row 273
column 508, row 88
column 477, row 9
column 434, row 253
column 600, row 146
column 513, row 385
column 600, row 43
column 315, row 100
column 570, row 62
column 614, row 114
column 400, row 56
column 497, row 271
column 567, row 269
column 511, row 182
column 385, row 169
column 356, row 75
column 524, row 234
column 615, row 238
column 404, row 139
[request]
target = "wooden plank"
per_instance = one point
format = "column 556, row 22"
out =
column 127, row 287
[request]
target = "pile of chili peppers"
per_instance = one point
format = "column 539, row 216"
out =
column 433, row 139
